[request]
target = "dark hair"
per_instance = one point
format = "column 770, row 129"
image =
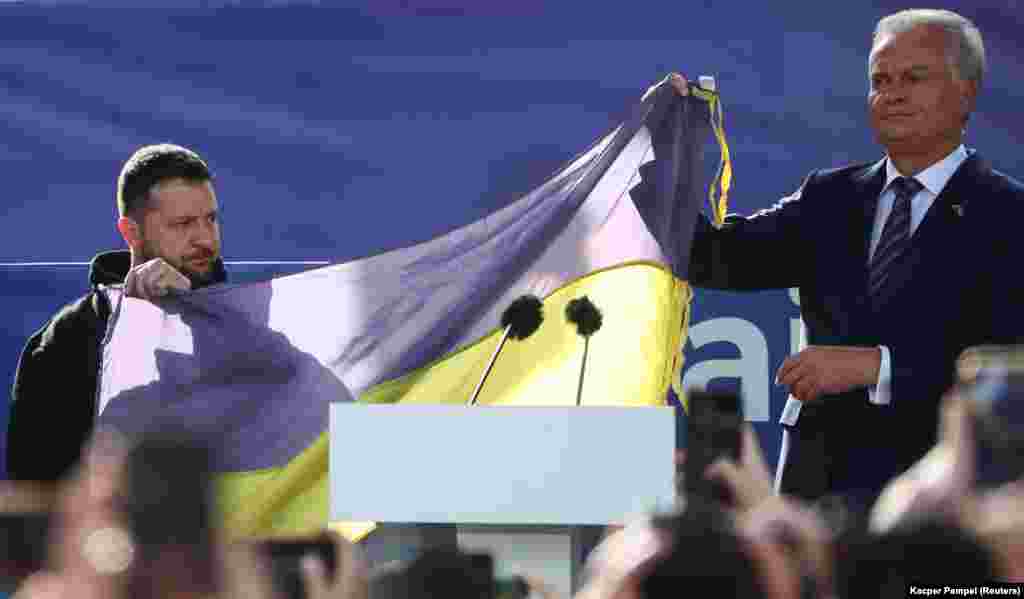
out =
column 925, row 553
column 706, row 553
column 168, row 503
column 154, row 164
column 437, row 573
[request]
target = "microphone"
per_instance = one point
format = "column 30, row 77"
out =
column 587, row 318
column 520, row 319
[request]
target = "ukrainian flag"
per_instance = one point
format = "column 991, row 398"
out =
column 253, row 367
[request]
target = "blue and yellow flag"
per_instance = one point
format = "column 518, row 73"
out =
column 253, row 367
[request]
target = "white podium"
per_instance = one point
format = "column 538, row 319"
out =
column 515, row 481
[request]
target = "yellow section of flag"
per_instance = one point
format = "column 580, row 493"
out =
column 633, row 360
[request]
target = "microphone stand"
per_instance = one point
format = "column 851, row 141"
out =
column 490, row 365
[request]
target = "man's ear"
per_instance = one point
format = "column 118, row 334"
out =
column 968, row 97
column 131, row 232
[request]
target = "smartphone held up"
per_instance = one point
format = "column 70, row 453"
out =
column 714, row 430
column 25, row 518
column 991, row 378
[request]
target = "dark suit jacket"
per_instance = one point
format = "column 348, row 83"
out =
column 957, row 285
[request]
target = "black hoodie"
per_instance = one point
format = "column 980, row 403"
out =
column 53, row 401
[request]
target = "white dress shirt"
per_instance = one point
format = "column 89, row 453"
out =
column 934, row 179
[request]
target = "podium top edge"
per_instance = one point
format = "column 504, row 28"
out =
column 495, row 407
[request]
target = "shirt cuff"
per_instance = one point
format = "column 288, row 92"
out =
column 791, row 411
column 879, row 394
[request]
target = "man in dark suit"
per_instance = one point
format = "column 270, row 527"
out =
column 901, row 264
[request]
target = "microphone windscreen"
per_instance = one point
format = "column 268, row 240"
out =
column 584, row 314
column 524, row 315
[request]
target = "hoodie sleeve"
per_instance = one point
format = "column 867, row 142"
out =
column 53, row 399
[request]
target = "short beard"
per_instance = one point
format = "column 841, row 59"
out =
column 198, row 280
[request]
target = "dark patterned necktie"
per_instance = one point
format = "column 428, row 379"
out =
column 895, row 234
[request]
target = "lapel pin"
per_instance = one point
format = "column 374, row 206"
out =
column 958, row 209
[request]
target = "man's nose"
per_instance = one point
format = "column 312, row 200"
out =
column 205, row 235
column 895, row 94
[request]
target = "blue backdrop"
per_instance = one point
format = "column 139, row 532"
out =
column 337, row 133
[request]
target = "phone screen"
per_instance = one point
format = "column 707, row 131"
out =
column 998, row 427
column 23, row 545
column 714, row 422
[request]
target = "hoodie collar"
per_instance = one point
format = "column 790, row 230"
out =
column 110, row 268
